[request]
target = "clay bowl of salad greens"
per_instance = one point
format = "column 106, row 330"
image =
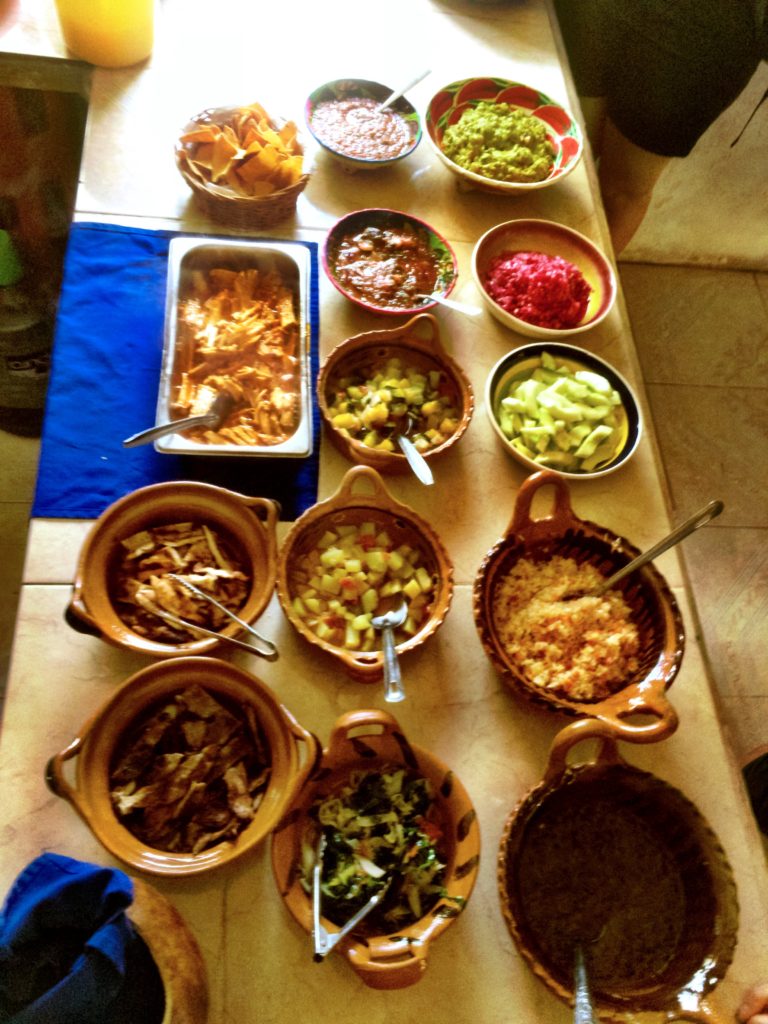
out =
column 611, row 656
column 558, row 407
column 502, row 137
column 376, row 385
column 352, row 557
column 394, row 820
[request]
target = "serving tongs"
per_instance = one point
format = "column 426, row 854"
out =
column 269, row 651
column 324, row 941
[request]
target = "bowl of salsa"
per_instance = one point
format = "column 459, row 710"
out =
column 388, row 262
column 343, row 118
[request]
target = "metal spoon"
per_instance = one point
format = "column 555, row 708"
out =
column 700, row 518
column 416, row 460
column 460, row 307
column 583, row 1007
column 387, row 623
column 217, row 412
column 401, row 92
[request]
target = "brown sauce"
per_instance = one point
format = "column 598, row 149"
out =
column 593, row 872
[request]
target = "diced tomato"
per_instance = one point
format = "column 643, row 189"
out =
column 430, row 829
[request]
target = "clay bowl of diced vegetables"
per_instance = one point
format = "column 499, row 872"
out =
column 221, row 542
column 354, row 556
column 611, row 656
column 543, row 279
column 188, row 765
column 374, row 385
column 417, row 845
column 558, row 407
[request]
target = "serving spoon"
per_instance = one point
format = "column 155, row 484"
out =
column 700, row 518
column 388, row 622
column 416, row 460
column 583, row 1007
column 460, row 307
column 214, row 416
column 401, row 92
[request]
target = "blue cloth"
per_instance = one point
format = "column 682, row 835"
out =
column 104, row 380
column 68, row 952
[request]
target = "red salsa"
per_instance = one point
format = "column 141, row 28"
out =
column 387, row 266
column 547, row 291
column 355, row 128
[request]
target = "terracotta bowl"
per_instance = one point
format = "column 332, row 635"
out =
column 631, row 871
column 447, row 106
column 417, row 343
column 293, row 751
column 372, row 740
column 550, row 239
column 359, row 220
column 653, row 608
column 363, row 497
column 521, row 362
column 249, row 523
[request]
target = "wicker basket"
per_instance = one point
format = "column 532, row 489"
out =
column 224, row 204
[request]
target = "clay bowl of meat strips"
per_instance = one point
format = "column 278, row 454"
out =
column 422, row 840
column 613, row 859
column 354, row 556
column 221, row 542
column 533, row 625
column 379, row 383
column 187, row 766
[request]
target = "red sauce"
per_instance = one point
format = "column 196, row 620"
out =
column 386, row 266
column 354, row 127
column 547, row 291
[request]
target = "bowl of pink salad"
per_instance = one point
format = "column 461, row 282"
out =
column 543, row 279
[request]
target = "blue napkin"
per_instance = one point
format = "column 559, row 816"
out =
column 68, row 952
column 104, row 380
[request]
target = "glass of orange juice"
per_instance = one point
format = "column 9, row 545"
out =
column 110, row 33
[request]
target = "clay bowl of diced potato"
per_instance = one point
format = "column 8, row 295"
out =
column 559, row 407
column 224, row 543
column 353, row 556
column 379, row 383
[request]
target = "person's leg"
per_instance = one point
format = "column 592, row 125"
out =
column 627, row 177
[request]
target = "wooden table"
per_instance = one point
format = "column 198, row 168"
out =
column 259, row 962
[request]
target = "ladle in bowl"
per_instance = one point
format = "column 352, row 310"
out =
column 416, row 460
column 402, row 91
column 700, row 518
column 583, row 1007
column 459, row 307
column 217, row 412
column 387, row 622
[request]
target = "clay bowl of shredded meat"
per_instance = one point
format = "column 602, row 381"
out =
column 221, row 542
column 603, row 855
column 543, row 279
column 189, row 764
column 610, row 657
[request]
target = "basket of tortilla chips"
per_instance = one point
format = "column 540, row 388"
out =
column 244, row 167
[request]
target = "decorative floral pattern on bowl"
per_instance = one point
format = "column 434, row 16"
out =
column 563, row 132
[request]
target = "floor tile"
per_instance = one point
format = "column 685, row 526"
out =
column 714, row 444
column 698, row 326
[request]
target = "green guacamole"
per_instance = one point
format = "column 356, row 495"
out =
column 502, row 142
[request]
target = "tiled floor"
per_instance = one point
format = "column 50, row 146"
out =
column 702, row 337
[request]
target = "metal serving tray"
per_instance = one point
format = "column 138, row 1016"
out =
column 188, row 256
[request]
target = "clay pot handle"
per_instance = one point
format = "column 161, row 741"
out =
column 380, row 969
column 54, row 773
column 703, row 1014
column 585, row 729
column 77, row 616
column 426, row 329
column 266, row 510
column 650, row 699
column 313, row 753
column 345, row 493
column 375, row 721
column 562, row 515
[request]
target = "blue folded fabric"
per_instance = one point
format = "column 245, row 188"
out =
column 69, row 953
column 104, row 381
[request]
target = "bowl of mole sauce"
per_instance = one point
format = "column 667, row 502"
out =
column 388, row 262
column 344, row 118
column 608, row 857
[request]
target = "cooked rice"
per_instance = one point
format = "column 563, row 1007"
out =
column 584, row 648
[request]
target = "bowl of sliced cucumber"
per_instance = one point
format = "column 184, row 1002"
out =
column 558, row 407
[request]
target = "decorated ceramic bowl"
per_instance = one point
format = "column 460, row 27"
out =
column 543, row 279
column 242, row 531
column 611, row 858
column 362, row 249
column 372, row 741
column 628, row 685
column 415, row 348
column 580, row 449
column 350, row 557
column 116, row 818
column 342, row 118
column 560, row 135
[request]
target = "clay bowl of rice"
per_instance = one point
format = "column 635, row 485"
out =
column 611, row 657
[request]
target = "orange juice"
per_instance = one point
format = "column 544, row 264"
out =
column 110, row 33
